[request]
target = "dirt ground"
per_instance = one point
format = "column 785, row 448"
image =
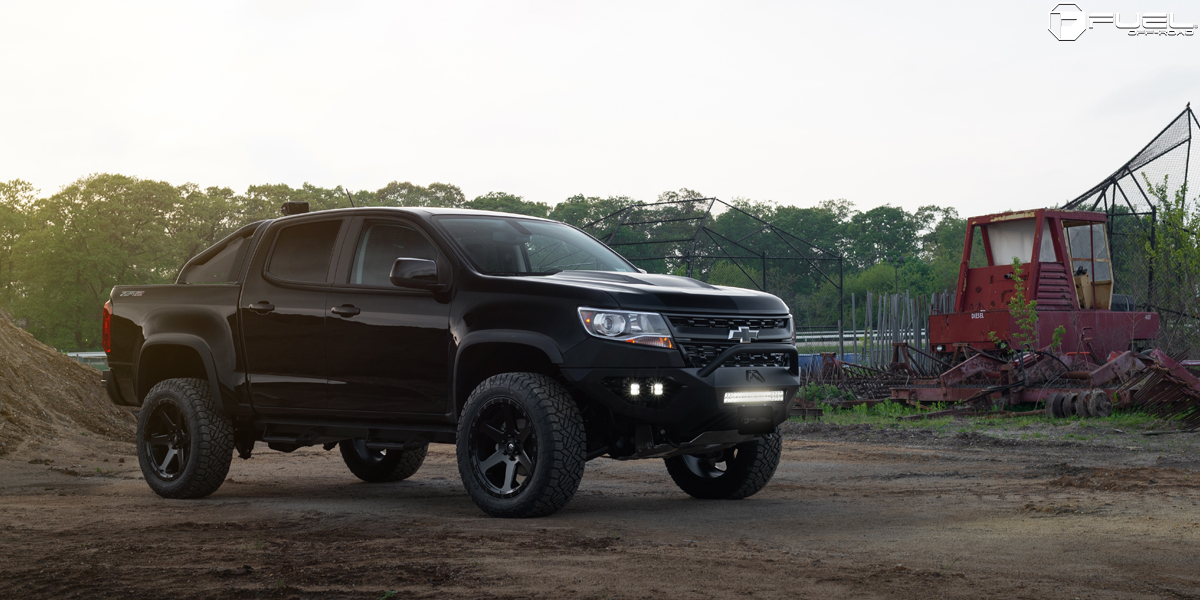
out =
column 852, row 512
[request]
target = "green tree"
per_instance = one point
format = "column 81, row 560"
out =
column 436, row 195
column 97, row 232
column 509, row 203
column 881, row 233
column 16, row 200
column 1175, row 253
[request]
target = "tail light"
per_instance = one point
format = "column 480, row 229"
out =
column 106, row 335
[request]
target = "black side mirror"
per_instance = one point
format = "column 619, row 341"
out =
column 415, row 273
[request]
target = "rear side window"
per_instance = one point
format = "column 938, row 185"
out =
column 303, row 252
column 222, row 267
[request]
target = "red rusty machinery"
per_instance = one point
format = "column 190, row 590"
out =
column 1100, row 363
column 1067, row 269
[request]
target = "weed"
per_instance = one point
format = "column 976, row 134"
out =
column 388, row 595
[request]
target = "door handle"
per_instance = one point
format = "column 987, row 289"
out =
column 345, row 310
column 262, row 307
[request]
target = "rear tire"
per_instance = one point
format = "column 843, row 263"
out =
column 377, row 466
column 184, row 441
column 521, row 445
column 731, row 474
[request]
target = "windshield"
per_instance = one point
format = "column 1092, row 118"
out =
column 511, row 246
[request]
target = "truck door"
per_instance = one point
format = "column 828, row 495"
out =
column 389, row 348
column 282, row 311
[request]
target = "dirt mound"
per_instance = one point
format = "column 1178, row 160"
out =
column 1125, row 479
column 47, row 398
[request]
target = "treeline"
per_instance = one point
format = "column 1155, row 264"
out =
column 60, row 255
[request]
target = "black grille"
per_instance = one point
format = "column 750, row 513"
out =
column 728, row 323
column 699, row 355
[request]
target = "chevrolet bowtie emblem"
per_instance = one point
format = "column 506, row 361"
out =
column 743, row 334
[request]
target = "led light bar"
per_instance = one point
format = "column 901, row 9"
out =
column 763, row 396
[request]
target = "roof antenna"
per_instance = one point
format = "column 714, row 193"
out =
column 349, row 197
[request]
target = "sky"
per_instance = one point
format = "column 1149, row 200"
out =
column 973, row 105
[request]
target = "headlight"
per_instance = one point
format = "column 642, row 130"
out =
column 623, row 326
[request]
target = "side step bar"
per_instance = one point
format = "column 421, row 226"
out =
column 289, row 434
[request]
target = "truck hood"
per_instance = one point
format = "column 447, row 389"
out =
column 643, row 291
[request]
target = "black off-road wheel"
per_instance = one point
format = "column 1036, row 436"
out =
column 730, row 474
column 521, row 446
column 376, row 466
column 184, row 440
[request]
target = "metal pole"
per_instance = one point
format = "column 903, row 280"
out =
column 764, row 271
column 1153, row 252
column 854, row 325
column 841, row 312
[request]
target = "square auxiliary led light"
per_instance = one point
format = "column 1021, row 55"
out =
column 763, row 396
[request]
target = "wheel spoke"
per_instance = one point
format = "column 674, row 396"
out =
column 510, row 474
column 172, row 453
column 166, row 417
column 525, row 461
column 525, row 431
column 181, row 456
column 492, row 460
column 496, row 435
column 157, row 439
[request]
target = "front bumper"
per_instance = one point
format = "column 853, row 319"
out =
column 698, row 403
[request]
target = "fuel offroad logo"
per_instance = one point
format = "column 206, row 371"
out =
column 1068, row 22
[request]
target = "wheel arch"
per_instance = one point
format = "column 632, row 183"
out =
column 492, row 352
column 176, row 355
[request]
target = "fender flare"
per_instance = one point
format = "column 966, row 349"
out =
column 532, row 339
column 194, row 342
column 540, row 341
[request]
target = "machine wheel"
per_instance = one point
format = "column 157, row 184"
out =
column 731, row 474
column 1054, row 406
column 377, row 466
column 1068, row 405
column 1083, row 405
column 521, row 445
column 1101, row 404
column 184, row 441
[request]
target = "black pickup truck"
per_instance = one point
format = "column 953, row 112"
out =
column 526, row 342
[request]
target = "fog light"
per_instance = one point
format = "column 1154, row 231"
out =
column 658, row 389
column 941, row 348
column 635, row 389
column 763, row 396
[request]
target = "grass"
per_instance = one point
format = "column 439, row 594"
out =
column 885, row 414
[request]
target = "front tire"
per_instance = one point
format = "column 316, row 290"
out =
column 376, row 466
column 184, row 441
column 521, row 446
column 730, row 474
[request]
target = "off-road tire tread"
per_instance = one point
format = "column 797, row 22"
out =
column 390, row 469
column 732, row 485
column 211, row 424
column 562, row 416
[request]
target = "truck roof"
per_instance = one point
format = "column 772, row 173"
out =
column 430, row 211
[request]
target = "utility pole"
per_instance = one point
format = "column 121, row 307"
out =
column 896, row 262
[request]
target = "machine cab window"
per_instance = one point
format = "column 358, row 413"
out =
column 1014, row 239
column 1090, row 263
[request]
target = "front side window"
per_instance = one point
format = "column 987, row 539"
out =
column 303, row 252
column 510, row 246
column 380, row 244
